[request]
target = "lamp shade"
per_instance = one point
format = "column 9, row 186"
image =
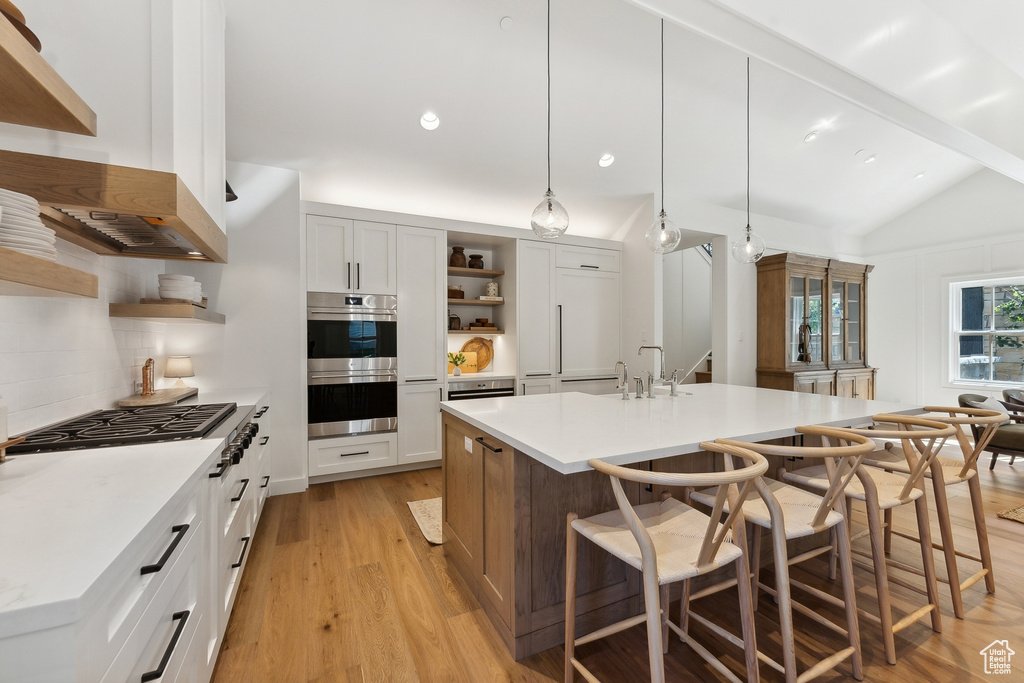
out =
column 179, row 366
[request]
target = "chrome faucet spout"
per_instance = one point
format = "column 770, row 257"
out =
column 661, row 358
column 625, row 374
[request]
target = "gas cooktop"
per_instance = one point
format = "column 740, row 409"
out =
column 125, row 426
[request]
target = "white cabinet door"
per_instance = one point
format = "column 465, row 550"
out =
column 588, row 322
column 542, row 385
column 588, row 258
column 329, row 266
column 421, row 305
column 373, row 256
column 537, row 321
column 419, row 422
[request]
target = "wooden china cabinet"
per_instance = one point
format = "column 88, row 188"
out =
column 811, row 326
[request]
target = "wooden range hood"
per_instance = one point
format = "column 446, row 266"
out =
column 156, row 215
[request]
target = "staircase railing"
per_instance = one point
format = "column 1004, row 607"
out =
column 690, row 372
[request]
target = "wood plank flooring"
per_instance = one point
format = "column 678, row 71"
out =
column 342, row 587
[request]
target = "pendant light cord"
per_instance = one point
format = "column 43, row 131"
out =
column 748, row 149
column 663, row 116
column 549, row 95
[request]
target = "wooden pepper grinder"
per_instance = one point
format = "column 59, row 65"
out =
column 148, row 377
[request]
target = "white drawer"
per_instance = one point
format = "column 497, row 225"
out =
column 232, row 490
column 234, row 554
column 128, row 591
column 166, row 627
column 587, row 258
column 352, row 453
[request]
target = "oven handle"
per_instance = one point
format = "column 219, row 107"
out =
column 346, row 315
column 459, row 396
column 322, row 378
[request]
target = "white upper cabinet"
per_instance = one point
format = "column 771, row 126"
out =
column 588, row 258
column 350, row 256
column 373, row 257
column 588, row 322
column 421, row 305
column 537, row 312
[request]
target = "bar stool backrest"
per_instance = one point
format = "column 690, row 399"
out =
column 754, row 467
column 983, row 424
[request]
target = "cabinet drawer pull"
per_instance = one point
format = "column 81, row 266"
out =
column 264, row 440
column 262, row 412
column 584, row 265
column 359, row 279
column 245, row 485
column 222, row 467
column 266, row 481
column 245, row 546
column 179, row 531
column 345, row 455
column 538, row 374
column 181, row 618
column 480, row 440
column 349, row 264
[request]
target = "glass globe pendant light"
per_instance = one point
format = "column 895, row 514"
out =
column 751, row 248
column 663, row 236
column 550, row 219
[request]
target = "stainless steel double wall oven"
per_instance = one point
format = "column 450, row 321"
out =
column 352, row 364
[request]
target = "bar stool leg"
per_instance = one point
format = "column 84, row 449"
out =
column 653, row 608
column 781, row 559
column 755, row 562
column 571, row 543
column 946, row 534
column 849, row 597
column 980, row 526
column 888, row 531
column 881, row 575
column 928, row 560
column 664, row 618
column 746, row 603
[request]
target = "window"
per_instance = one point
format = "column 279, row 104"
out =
column 988, row 331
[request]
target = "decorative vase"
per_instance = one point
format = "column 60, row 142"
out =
column 454, row 321
column 491, row 288
column 476, row 261
column 457, row 371
column 457, row 259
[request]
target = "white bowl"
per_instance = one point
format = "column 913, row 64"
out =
column 172, row 277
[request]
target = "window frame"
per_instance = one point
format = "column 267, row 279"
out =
column 955, row 327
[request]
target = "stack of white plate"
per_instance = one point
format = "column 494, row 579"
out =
column 180, row 287
column 21, row 228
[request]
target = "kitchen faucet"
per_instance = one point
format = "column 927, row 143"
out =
column 624, row 386
column 661, row 356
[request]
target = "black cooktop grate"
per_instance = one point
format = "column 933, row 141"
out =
column 127, row 426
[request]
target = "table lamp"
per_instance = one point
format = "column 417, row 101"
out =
column 179, row 366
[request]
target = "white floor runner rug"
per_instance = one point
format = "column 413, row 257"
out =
column 428, row 515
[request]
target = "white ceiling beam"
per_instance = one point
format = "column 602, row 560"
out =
column 720, row 23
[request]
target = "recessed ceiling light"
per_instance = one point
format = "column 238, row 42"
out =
column 870, row 159
column 606, row 160
column 506, row 23
column 430, row 121
column 195, row 253
column 919, row 176
column 810, row 136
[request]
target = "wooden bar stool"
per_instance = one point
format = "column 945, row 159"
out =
column 790, row 513
column 880, row 490
column 667, row 541
column 945, row 472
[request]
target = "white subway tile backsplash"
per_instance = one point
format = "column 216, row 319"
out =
column 61, row 357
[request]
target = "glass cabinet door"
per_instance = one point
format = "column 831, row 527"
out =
column 853, row 321
column 837, row 328
column 806, row 321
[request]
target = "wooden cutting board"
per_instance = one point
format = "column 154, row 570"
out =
column 162, row 397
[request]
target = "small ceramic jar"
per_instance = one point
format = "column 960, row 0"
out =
column 458, row 258
column 476, row 261
column 491, row 289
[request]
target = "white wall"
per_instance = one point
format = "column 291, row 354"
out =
column 973, row 230
column 261, row 294
column 641, row 293
column 686, row 329
column 61, row 357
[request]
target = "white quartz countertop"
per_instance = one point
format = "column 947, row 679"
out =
column 66, row 516
column 564, row 431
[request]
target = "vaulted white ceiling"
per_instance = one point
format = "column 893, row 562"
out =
column 336, row 89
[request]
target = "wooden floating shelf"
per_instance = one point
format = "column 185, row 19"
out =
column 89, row 186
column 475, row 332
column 24, row 275
column 474, row 272
column 33, row 93
column 474, row 302
column 166, row 313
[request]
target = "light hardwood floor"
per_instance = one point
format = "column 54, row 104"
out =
column 341, row 587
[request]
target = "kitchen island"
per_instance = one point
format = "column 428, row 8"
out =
column 514, row 467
